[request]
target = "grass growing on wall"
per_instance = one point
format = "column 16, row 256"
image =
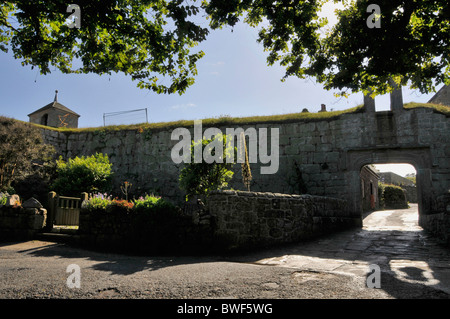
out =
column 437, row 107
column 218, row 121
column 228, row 120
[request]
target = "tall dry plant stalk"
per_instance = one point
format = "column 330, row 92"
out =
column 246, row 172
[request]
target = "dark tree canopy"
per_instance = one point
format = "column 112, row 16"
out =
column 154, row 38
column 22, row 152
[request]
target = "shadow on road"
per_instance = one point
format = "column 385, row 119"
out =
column 118, row 264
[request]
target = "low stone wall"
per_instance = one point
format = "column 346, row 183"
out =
column 18, row 223
column 230, row 220
column 245, row 220
column 169, row 231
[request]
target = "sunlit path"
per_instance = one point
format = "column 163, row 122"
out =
column 408, row 257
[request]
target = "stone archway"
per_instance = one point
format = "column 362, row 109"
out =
column 420, row 158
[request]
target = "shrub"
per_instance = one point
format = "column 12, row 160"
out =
column 147, row 202
column 394, row 197
column 201, row 178
column 83, row 174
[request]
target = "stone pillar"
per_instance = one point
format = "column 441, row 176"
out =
column 396, row 97
column 354, row 194
column 51, row 212
column 369, row 103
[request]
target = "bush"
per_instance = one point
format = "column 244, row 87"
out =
column 83, row 174
column 394, row 197
column 201, row 178
column 148, row 202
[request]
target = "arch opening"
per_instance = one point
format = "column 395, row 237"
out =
column 418, row 158
column 44, row 119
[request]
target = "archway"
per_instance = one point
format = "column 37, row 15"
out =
column 419, row 158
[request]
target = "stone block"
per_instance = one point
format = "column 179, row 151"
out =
column 307, row 148
column 291, row 150
column 322, row 126
column 32, row 203
column 12, row 200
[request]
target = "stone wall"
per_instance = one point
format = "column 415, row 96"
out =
column 18, row 223
column 321, row 156
column 247, row 220
column 230, row 220
column 168, row 232
column 439, row 223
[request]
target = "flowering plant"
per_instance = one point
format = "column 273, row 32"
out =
column 146, row 202
column 97, row 201
column 101, row 201
column 121, row 203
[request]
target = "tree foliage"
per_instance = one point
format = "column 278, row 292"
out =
column 147, row 39
column 142, row 39
column 411, row 46
column 22, row 153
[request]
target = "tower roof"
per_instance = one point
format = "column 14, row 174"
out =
column 55, row 105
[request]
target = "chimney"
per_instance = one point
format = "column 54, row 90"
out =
column 323, row 108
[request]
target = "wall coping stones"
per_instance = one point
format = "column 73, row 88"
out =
column 271, row 195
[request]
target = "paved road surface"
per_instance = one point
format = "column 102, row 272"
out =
column 412, row 265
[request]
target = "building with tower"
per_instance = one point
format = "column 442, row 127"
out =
column 55, row 114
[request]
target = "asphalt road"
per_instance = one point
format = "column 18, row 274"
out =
column 411, row 264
